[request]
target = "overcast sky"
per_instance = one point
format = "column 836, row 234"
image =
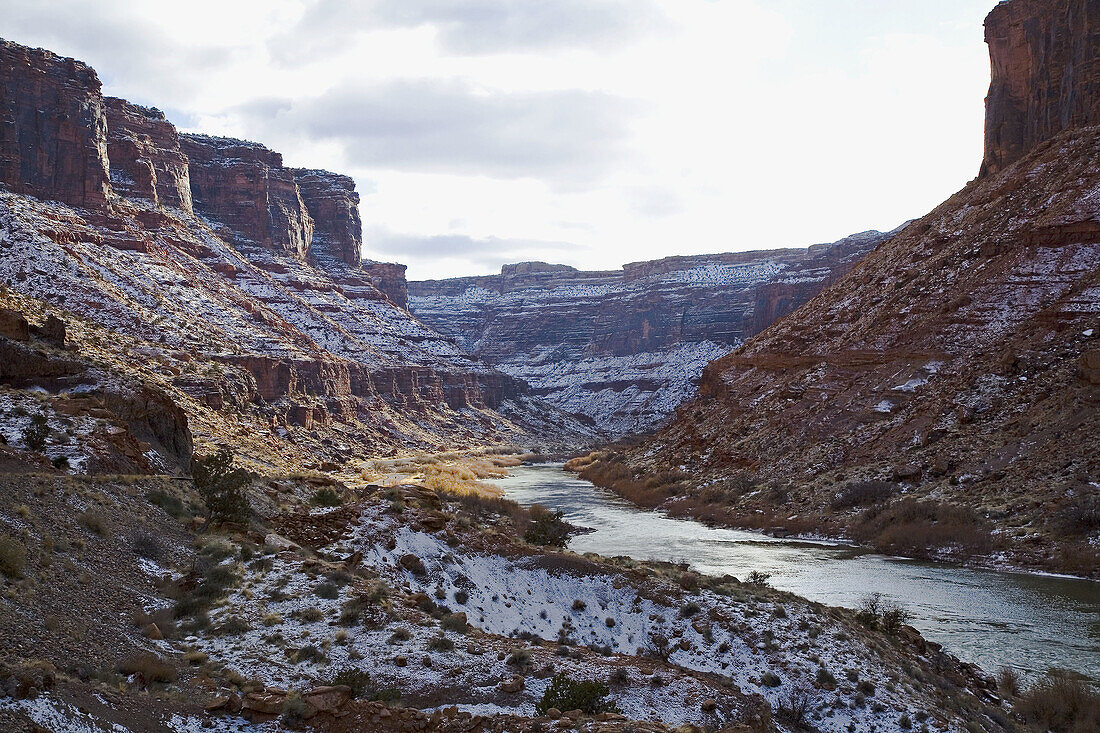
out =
column 588, row 132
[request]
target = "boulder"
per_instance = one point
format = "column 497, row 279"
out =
column 13, row 325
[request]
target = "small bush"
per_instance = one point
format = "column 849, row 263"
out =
column 13, row 557
column 327, row 497
column 569, row 694
column 308, row 653
column 61, row 463
column 689, row 609
column 461, row 597
column 454, row 622
column 35, row 434
column 311, row 615
column 770, row 679
column 149, row 666
column 93, row 521
column 170, row 504
column 579, row 605
column 546, row 528
column 758, row 579
column 825, row 678
column 520, row 658
column 1061, row 704
column 867, row 687
column 794, row 708
column 1079, row 518
column 863, row 493
column 1008, row 682
column 357, row 679
column 147, row 546
column 327, row 590
column 294, row 710
column 440, row 644
column 222, row 487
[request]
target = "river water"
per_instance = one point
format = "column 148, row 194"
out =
column 1029, row 622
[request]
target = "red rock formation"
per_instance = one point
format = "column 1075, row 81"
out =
column 53, row 128
column 389, row 277
column 334, row 205
column 1046, row 75
column 244, row 186
column 146, row 160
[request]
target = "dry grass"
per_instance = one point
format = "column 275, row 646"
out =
column 1061, row 704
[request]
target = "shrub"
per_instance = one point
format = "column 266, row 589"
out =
column 149, row 666
column 440, row 644
column 569, row 694
column 358, row 680
column 758, row 579
column 1079, row 518
column 794, row 708
column 579, row 605
column 147, row 546
column 327, row 497
column 1008, row 682
column 825, row 678
column 170, row 504
column 308, row 653
column 863, row 493
column 461, row 597
column 454, row 622
column 521, row 658
column 61, row 462
column 689, row 609
column 233, row 626
column 546, row 528
column 399, row 634
column 327, row 590
column 1061, row 704
column 867, row 687
column 35, row 434
column 294, row 709
column 13, row 557
column 222, row 487
column 770, row 679
column 311, row 615
column 916, row 528
column 93, row 521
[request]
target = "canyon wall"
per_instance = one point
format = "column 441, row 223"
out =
column 212, row 274
column 53, row 127
column 1045, row 75
column 625, row 347
column 145, row 155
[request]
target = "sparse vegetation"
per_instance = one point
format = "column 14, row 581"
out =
column 758, row 579
column 565, row 693
column 1061, row 705
column 93, row 521
column 770, row 679
column 35, row 435
column 918, row 528
column 863, row 493
column 326, row 497
column 147, row 546
column 151, row 668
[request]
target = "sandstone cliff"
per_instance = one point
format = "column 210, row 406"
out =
column 53, row 127
column 1045, row 74
column 624, row 348
column 268, row 337
column 941, row 398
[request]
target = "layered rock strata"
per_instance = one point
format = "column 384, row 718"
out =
column 145, row 155
column 625, row 347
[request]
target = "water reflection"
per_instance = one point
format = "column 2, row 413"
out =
column 994, row 619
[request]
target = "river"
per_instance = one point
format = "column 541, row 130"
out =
column 1028, row 622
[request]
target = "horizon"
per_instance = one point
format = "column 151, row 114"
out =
column 589, row 134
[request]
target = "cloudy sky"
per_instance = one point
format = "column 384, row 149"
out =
column 589, row 132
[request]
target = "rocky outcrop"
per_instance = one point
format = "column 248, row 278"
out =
column 53, row 128
column 625, row 347
column 146, row 159
column 334, row 206
column 388, row 277
column 1046, row 75
column 244, row 186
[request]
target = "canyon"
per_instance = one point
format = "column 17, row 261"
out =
column 624, row 348
column 941, row 398
column 204, row 271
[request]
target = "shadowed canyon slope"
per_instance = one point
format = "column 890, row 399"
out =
column 958, row 364
column 203, row 271
column 625, row 347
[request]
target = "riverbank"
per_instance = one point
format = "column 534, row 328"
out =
column 1025, row 621
column 886, row 516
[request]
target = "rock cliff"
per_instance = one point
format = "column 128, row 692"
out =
column 53, row 127
column 1045, row 74
column 145, row 156
column 265, row 336
column 244, row 186
column 940, row 399
column 625, row 347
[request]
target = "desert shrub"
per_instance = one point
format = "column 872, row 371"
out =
column 757, row 579
column 770, row 679
column 35, row 434
column 311, row 615
column 440, row 644
column 863, row 493
column 1062, row 705
column 794, row 708
column 916, row 528
column 689, row 609
column 520, row 658
column 170, row 504
column 327, row 497
column 232, row 626
column 294, row 709
column 1082, row 517
column 546, row 528
column 894, row 616
column 357, row 679
column 308, row 653
column 461, row 597
column 92, row 521
column 866, row 687
column 61, row 462
column 825, row 678
column 222, row 487
column 327, row 590
column 151, row 667
column 399, row 634
column 454, row 622
column 579, row 605
column 13, row 557
column 874, row 611
column 619, row 678
column 1008, row 682
column 147, row 546
column 568, row 694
